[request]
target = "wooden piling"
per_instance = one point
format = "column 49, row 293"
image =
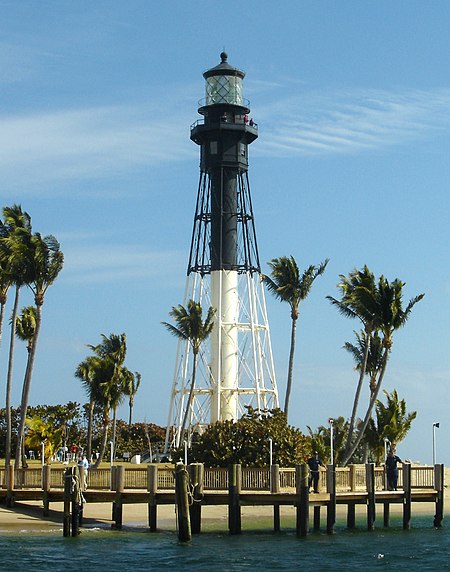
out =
column 331, row 506
column 152, row 487
column 46, row 472
column 316, row 519
column 303, row 504
column 370, row 484
column 406, row 496
column 10, row 479
column 439, row 486
column 234, row 505
column 120, row 487
column 67, row 500
column 275, row 488
column 386, row 514
column 196, row 474
column 351, row 515
column 112, row 487
column 181, row 495
column 76, row 501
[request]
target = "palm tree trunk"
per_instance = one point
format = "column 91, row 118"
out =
column 291, row 367
column 27, row 385
column 351, row 427
column 2, row 315
column 191, row 394
column 131, row 413
column 363, row 428
column 9, row 380
column 103, row 443
column 114, row 430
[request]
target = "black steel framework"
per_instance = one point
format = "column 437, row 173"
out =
column 206, row 254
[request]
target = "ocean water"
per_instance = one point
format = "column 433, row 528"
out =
column 421, row 548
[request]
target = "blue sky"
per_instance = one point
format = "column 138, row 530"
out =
column 352, row 100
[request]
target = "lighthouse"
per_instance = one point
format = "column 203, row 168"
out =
column 235, row 369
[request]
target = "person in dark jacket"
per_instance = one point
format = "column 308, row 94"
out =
column 392, row 470
column 314, row 463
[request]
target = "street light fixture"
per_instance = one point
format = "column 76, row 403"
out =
column 435, row 426
column 331, row 422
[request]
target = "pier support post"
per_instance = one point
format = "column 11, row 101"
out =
column 331, row 490
column 196, row 474
column 303, row 503
column 370, row 484
column 386, row 513
column 10, row 478
column 316, row 517
column 46, row 472
column 234, row 505
column 120, row 487
column 406, row 496
column 275, row 488
column 181, row 495
column 351, row 515
column 67, row 498
column 112, row 487
column 439, row 486
column 152, row 487
column 76, row 501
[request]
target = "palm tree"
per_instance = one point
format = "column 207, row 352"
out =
column 191, row 328
column 132, row 383
column 369, row 349
column 289, row 286
column 41, row 431
column 25, row 331
column 15, row 234
column 392, row 423
column 44, row 261
column 358, row 302
column 86, row 373
column 389, row 316
column 108, row 380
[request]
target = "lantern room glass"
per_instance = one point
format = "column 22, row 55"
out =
column 224, row 89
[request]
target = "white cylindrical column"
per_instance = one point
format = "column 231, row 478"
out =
column 224, row 345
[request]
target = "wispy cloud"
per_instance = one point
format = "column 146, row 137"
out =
column 351, row 122
column 100, row 142
column 111, row 262
column 89, row 143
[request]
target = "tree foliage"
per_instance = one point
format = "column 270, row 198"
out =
column 392, row 423
column 247, row 442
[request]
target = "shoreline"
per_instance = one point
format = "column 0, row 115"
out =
column 28, row 517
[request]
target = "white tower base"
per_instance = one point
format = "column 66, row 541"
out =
column 235, row 365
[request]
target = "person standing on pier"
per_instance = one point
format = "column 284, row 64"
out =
column 392, row 470
column 314, row 463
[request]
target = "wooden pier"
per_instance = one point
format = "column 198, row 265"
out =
column 196, row 487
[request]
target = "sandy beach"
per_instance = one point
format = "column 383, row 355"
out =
column 29, row 516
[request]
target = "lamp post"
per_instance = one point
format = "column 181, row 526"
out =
column 331, row 422
column 435, row 425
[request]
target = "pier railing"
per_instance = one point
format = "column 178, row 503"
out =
column 348, row 479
